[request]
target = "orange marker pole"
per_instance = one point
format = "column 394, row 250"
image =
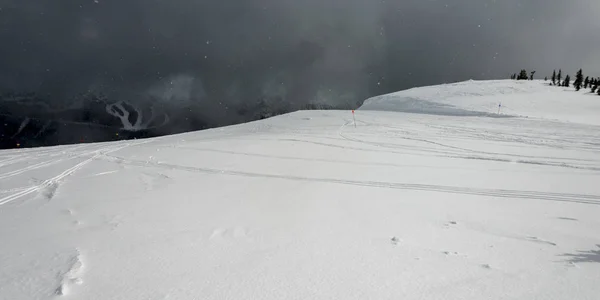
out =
column 353, row 118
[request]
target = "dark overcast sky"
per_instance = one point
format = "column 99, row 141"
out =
column 334, row 51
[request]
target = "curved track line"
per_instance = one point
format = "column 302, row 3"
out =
column 46, row 163
column 473, row 154
column 501, row 193
column 69, row 171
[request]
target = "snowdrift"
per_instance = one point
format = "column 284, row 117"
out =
column 439, row 203
column 500, row 98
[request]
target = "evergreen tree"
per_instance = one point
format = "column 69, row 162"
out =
column 545, row 78
column 554, row 77
column 523, row 75
column 578, row 80
column 586, row 82
column 559, row 77
column 532, row 72
column 567, row 81
column 594, row 88
column 599, row 92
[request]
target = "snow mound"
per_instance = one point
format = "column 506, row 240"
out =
column 496, row 98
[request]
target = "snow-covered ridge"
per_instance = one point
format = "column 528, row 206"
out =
column 494, row 98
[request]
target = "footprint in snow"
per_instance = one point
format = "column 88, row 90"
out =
column 218, row 233
column 115, row 222
column 71, row 212
column 72, row 276
column 153, row 181
column 49, row 190
column 237, row 233
column 450, row 224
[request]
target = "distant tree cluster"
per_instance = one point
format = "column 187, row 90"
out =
column 579, row 83
column 557, row 79
column 523, row 75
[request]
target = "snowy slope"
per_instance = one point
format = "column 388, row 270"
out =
column 433, row 205
column 482, row 98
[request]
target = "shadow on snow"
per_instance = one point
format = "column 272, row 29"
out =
column 591, row 256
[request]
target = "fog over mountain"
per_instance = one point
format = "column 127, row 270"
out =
column 88, row 70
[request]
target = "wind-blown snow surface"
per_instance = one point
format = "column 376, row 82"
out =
column 482, row 98
column 307, row 206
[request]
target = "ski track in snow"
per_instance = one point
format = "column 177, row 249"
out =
column 49, row 186
column 475, row 154
column 564, row 197
column 62, row 156
column 424, row 151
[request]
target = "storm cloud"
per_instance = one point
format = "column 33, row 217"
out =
column 215, row 58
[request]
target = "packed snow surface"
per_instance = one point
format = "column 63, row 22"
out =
column 430, row 194
column 484, row 98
